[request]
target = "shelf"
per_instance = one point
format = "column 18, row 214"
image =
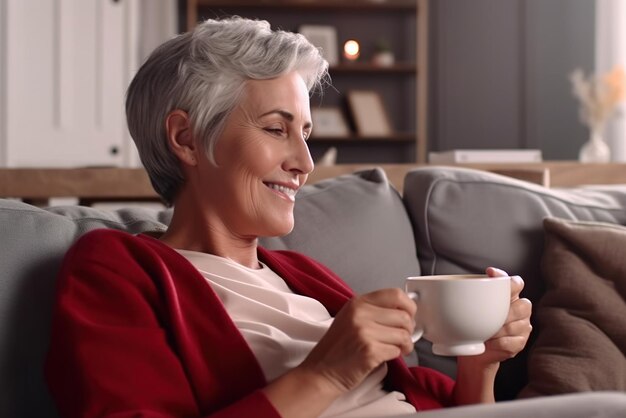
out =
column 396, row 139
column 335, row 5
column 367, row 68
column 406, row 22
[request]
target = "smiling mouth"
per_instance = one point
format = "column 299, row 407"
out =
column 284, row 191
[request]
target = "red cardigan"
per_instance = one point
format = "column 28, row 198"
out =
column 137, row 331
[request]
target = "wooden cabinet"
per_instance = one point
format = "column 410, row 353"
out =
column 402, row 86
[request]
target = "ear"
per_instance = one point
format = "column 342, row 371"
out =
column 180, row 138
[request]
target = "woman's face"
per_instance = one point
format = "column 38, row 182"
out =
column 262, row 158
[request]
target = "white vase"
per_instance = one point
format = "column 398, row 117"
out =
column 595, row 150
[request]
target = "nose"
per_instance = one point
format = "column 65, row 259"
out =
column 300, row 160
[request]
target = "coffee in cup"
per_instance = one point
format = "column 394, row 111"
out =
column 458, row 313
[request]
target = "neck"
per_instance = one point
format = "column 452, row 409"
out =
column 199, row 230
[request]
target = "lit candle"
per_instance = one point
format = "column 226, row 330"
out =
column 351, row 50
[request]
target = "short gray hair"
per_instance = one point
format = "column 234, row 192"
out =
column 203, row 72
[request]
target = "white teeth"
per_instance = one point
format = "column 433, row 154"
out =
column 286, row 190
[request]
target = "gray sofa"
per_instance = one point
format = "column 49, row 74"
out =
column 448, row 221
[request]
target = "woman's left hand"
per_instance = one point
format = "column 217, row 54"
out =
column 476, row 374
column 513, row 336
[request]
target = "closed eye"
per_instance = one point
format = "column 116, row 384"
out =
column 274, row 131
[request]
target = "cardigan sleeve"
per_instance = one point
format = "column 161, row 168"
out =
column 111, row 352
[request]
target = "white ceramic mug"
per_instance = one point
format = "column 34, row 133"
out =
column 458, row 313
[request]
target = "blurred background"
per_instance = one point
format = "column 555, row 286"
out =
column 428, row 76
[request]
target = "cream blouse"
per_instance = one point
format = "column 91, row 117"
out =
column 282, row 327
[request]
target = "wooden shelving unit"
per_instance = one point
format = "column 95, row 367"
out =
column 325, row 5
column 409, row 145
column 366, row 68
column 397, row 138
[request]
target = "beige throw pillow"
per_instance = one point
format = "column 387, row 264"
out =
column 581, row 339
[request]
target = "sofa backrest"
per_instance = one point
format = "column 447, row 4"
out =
column 455, row 220
column 466, row 220
column 355, row 224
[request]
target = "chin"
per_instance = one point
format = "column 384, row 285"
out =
column 281, row 232
column 279, row 229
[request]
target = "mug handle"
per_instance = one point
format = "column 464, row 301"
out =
column 417, row 333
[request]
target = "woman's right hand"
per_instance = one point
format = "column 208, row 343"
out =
column 367, row 331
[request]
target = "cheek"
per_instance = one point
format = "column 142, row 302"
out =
column 247, row 189
column 260, row 156
column 242, row 180
column 245, row 160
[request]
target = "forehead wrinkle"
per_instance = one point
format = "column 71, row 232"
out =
column 281, row 112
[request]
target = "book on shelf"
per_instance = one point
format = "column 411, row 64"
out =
column 486, row 156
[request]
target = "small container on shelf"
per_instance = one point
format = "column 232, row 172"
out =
column 383, row 54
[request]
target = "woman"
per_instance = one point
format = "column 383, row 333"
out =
column 202, row 321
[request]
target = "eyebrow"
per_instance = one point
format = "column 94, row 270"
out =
column 286, row 115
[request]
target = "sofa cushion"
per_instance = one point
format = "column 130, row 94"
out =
column 33, row 243
column 465, row 220
column 356, row 225
column 582, row 338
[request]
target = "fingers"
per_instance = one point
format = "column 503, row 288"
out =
column 510, row 340
column 387, row 318
column 393, row 337
column 518, row 320
column 384, row 317
column 521, row 327
column 391, row 314
column 495, row 272
column 504, row 348
column 520, row 309
column 392, row 299
column 517, row 283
